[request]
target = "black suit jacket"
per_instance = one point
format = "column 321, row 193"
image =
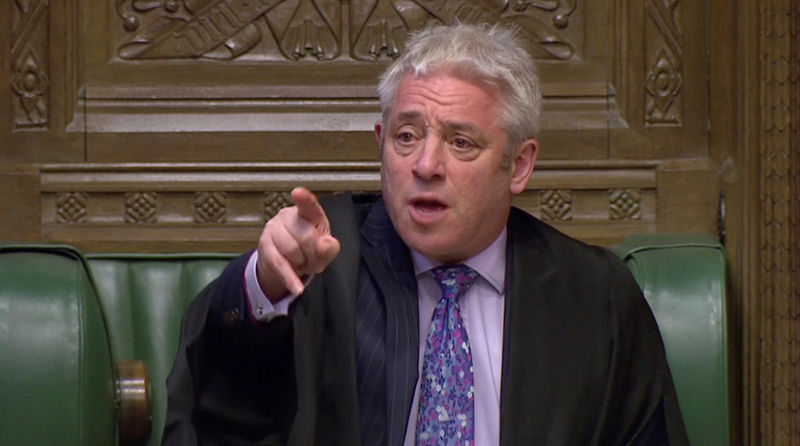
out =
column 583, row 361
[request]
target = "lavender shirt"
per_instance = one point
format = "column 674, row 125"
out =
column 482, row 309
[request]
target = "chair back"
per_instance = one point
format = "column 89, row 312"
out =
column 683, row 280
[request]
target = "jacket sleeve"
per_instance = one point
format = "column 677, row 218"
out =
column 232, row 382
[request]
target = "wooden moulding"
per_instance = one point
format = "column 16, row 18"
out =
column 222, row 207
column 19, row 215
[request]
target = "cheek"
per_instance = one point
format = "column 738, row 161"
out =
column 395, row 171
column 392, row 186
column 484, row 194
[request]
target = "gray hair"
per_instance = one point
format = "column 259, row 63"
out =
column 485, row 53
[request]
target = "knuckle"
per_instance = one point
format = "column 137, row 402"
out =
column 285, row 211
column 307, row 237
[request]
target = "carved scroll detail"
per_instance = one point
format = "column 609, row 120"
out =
column 314, row 30
column 778, row 331
column 141, row 207
column 29, row 80
column 556, row 205
column 71, row 207
column 664, row 57
column 383, row 33
column 624, row 204
column 210, row 207
column 217, row 29
column 274, row 202
column 546, row 39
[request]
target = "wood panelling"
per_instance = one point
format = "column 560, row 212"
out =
column 775, row 317
column 102, row 207
column 659, row 67
column 754, row 121
column 271, row 80
column 20, row 217
column 294, row 81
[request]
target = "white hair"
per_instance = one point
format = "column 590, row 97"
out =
column 485, row 53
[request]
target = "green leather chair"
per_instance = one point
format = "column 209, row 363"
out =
column 683, row 280
column 74, row 332
column 145, row 296
column 65, row 321
column 57, row 377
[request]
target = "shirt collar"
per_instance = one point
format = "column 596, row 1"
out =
column 489, row 263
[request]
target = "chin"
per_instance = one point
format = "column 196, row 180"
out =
column 432, row 242
column 440, row 252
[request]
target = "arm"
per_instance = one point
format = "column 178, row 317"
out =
column 233, row 378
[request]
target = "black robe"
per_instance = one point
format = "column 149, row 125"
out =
column 583, row 361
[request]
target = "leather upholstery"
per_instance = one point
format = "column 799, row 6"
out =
column 683, row 279
column 56, row 351
column 56, row 383
column 145, row 296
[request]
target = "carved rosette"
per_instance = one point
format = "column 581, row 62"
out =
column 316, row 30
column 664, row 78
column 210, row 207
column 141, row 207
column 71, row 207
column 29, row 79
column 274, row 202
column 777, row 336
column 624, row 204
column 555, row 205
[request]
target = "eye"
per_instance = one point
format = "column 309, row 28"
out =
column 405, row 137
column 405, row 140
column 464, row 148
column 462, row 143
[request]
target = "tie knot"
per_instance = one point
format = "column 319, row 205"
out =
column 454, row 280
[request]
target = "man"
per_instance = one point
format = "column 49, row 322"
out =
column 437, row 313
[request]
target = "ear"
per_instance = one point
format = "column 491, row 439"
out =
column 379, row 131
column 522, row 165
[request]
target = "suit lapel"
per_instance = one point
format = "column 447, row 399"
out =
column 530, row 280
column 388, row 261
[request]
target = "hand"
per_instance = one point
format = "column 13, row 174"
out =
column 295, row 243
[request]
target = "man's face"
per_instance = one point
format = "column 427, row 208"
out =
column 445, row 184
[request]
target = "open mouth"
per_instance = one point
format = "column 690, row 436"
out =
column 427, row 211
column 427, row 206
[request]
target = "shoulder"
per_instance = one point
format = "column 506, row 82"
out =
column 529, row 232
column 587, row 272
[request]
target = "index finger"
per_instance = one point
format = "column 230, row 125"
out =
column 308, row 207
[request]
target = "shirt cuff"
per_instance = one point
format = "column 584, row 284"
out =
column 261, row 308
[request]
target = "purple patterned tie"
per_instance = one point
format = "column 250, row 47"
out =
column 446, row 400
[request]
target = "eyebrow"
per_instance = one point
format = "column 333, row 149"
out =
column 409, row 116
column 413, row 115
column 461, row 126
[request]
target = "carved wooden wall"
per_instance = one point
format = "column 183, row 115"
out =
column 167, row 125
column 773, row 348
column 171, row 125
column 753, row 128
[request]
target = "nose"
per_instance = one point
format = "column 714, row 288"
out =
column 430, row 162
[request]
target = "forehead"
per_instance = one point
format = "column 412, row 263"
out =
column 444, row 93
